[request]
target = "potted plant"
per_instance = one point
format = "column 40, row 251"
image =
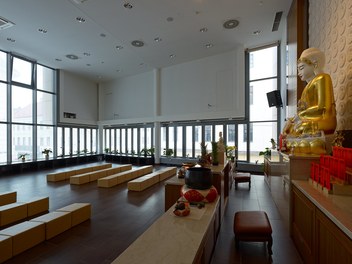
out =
column 46, row 152
column 231, row 152
column 168, row 152
column 215, row 154
column 265, row 153
column 22, row 156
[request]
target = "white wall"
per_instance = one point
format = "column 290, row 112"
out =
column 80, row 96
column 186, row 90
column 330, row 29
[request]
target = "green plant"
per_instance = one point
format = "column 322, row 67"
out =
column 46, row 151
column 266, row 152
column 215, row 155
column 147, row 152
column 168, row 152
column 230, row 151
column 22, row 155
column 107, row 150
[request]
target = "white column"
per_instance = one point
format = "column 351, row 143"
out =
column 157, row 107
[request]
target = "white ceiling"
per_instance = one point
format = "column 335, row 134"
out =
column 147, row 20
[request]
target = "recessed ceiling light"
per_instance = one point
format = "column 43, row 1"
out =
column 58, row 59
column 72, row 56
column 42, row 30
column 128, row 5
column 118, row 70
column 141, row 64
column 157, row 39
column 102, row 35
column 257, row 32
column 230, row 24
column 169, row 19
column 209, row 45
column 119, row 47
column 86, row 54
column 80, row 19
column 88, row 64
column 203, row 30
column 11, row 40
column 172, row 56
column 137, row 43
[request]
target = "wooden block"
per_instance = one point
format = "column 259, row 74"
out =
column 107, row 181
column 55, row 223
column 12, row 213
column 37, row 205
column 24, row 235
column 112, row 171
column 93, row 176
column 101, row 174
column 83, row 170
column 54, row 177
column 5, row 248
column 126, row 167
column 134, row 186
column 80, row 212
column 121, row 177
column 8, row 197
column 79, row 179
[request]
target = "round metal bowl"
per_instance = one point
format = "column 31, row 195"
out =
column 199, row 178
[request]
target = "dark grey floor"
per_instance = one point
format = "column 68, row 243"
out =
column 119, row 217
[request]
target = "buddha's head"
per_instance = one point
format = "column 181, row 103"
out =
column 311, row 63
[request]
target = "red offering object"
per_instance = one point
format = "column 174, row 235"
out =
column 195, row 195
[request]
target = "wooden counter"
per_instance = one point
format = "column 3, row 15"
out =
column 321, row 224
column 173, row 240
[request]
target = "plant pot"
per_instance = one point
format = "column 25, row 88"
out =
column 199, row 178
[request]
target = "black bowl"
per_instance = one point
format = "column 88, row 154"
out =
column 199, row 178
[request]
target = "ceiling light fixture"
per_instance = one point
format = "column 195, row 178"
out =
column 102, row 35
column 157, row 39
column 88, row 64
column 257, row 32
column 72, row 56
column 119, row 47
column 172, row 56
column 58, row 59
column 128, row 5
column 230, row 24
column 42, row 30
column 137, row 43
column 209, row 45
column 169, row 19
column 203, row 30
column 80, row 19
column 86, row 54
column 11, row 40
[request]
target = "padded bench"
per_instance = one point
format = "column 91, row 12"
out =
column 24, row 236
column 80, row 212
column 37, row 205
column 240, row 177
column 253, row 226
column 7, row 198
column 5, row 248
column 12, row 213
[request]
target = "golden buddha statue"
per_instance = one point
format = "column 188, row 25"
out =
column 316, row 109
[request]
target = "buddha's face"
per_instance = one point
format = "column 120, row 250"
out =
column 305, row 71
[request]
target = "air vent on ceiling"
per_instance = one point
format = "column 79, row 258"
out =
column 4, row 23
column 277, row 20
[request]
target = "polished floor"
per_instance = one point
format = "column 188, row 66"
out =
column 120, row 216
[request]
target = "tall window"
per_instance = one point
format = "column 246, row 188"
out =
column 263, row 78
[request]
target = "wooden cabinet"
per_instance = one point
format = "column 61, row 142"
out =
column 317, row 238
column 273, row 167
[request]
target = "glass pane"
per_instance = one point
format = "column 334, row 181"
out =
column 3, row 102
column 82, row 141
column 259, row 108
column 231, row 137
column 3, row 143
column 89, row 140
column 242, row 142
column 74, row 141
column 179, row 141
column 218, row 129
column 123, row 140
column 45, row 108
column 262, row 133
column 208, row 136
column 45, row 140
column 112, row 140
column 129, row 140
column 118, row 140
column 3, row 68
column 263, row 63
column 197, row 141
column 45, row 78
column 60, row 147
column 67, row 141
column 171, row 138
column 22, row 71
column 142, row 138
column 135, row 141
column 149, row 137
column 189, row 141
column 22, row 105
column 22, row 141
column 163, row 140
column 94, row 141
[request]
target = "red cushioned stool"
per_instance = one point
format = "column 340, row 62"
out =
column 253, row 226
column 242, row 177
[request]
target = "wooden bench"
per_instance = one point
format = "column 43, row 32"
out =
column 95, row 175
column 122, row 177
column 8, row 197
column 5, row 248
column 80, row 212
column 12, row 213
column 149, row 180
column 65, row 175
column 252, row 226
column 55, row 223
column 24, row 236
column 37, row 206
